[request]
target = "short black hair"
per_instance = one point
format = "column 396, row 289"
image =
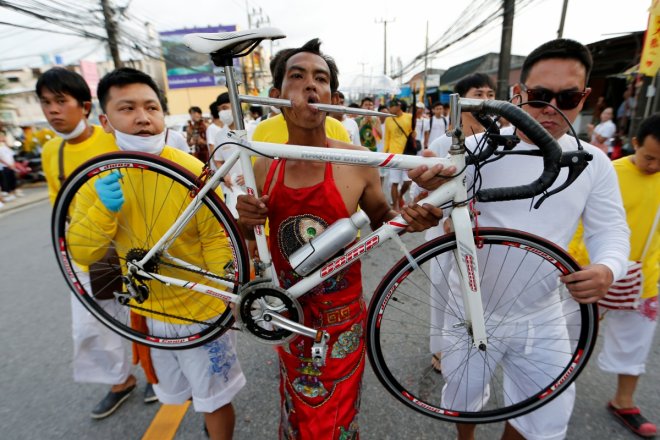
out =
column 473, row 81
column 61, row 81
column 365, row 99
column 195, row 109
column 353, row 105
column 436, row 104
column 278, row 63
column 382, row 107
column 213, row 107
column 649, row 127
column 121, row 77
column 562, row 48
column 223, row 98
column 394, row 101
column 257, row 109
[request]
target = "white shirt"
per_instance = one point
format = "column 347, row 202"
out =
column 594, row 196
column 437, row 129
column 381, row 143
column 225, row 150
column 6, row 157
column 421, row 127
column 604, row 129
column 175, row 139
column 211, row 132
column 353, row 130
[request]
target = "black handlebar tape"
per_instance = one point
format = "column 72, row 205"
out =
column 549, row 147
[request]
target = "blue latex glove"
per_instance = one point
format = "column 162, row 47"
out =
column 109, row 191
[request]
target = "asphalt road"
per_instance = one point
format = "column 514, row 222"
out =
column 39, row 400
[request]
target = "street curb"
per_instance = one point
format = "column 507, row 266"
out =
column 28, row 200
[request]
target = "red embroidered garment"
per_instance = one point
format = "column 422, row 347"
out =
column 317, row 402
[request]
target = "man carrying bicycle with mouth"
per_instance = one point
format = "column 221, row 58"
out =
column 301, row 199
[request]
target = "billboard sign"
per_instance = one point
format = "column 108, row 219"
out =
column 186, row 68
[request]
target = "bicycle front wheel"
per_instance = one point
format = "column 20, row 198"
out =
column 539, row 338
column 208, row 250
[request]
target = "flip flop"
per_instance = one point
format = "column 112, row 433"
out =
column 632, row 419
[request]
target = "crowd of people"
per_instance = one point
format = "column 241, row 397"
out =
column 606, row 198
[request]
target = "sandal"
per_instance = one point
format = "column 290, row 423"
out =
column 435, row 364
column 632, row 419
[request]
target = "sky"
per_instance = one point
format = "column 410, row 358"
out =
column 351, row 30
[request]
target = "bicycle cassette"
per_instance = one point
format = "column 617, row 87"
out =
column 259, row 300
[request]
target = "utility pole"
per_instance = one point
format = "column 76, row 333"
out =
column 255, row 18
column 426, row 60
column 560, row 31
column 245, row 73
column 505, row 50
column 111, row 29
column 384, row 42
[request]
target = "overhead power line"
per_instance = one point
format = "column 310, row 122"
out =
column 459, row 30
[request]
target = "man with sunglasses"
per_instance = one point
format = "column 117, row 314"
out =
column 553, row 79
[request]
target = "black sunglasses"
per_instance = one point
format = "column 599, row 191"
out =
column 566, row 99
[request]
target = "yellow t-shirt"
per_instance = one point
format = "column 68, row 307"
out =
column 74, row 155
column 641, row 201
column 151, row 205
column 395, row 138
column 275, row 130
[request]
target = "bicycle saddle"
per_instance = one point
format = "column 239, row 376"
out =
column 234, row 44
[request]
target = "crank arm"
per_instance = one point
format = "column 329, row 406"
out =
column 320, row 346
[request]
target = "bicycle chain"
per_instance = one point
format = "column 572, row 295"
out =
column 154, row 312
column 179, row 317
column 204, row 274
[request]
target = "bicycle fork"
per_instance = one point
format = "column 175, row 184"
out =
column 466, row 254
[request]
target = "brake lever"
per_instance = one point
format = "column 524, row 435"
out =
column 576, row 161
column 508, row 141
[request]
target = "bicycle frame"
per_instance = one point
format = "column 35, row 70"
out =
column 454, row 190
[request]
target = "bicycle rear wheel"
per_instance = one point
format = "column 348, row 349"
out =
column 209, row 250
column 539, row 338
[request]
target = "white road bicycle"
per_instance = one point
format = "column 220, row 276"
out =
column 485, row 280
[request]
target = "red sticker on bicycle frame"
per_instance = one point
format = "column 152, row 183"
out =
column 472, row 279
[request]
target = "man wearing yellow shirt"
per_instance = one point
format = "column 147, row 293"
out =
column 274, row 130
column 118, row 208
column 99, row 355
column 397, row 130
column 628, row 334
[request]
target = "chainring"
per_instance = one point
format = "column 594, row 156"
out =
column 258, row 298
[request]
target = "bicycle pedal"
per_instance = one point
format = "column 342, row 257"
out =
column 320, row 350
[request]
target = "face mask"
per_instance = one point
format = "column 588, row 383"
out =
column 144, row 144
column 226, row 117
column 80, row 128
column 275, row 110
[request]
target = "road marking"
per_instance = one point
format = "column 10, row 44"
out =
column 166, row 422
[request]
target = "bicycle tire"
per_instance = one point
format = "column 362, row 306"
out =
column 178, row 318
column 471, row 387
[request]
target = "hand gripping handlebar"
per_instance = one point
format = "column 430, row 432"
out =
column 550, row 149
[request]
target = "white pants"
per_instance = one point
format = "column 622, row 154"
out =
column 439, row 268
column 627, row 339
column 529, row 356
column 398, row 176
column 99, row 354
column 210, row 374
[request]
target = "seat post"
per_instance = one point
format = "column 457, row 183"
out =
column 232, row 88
